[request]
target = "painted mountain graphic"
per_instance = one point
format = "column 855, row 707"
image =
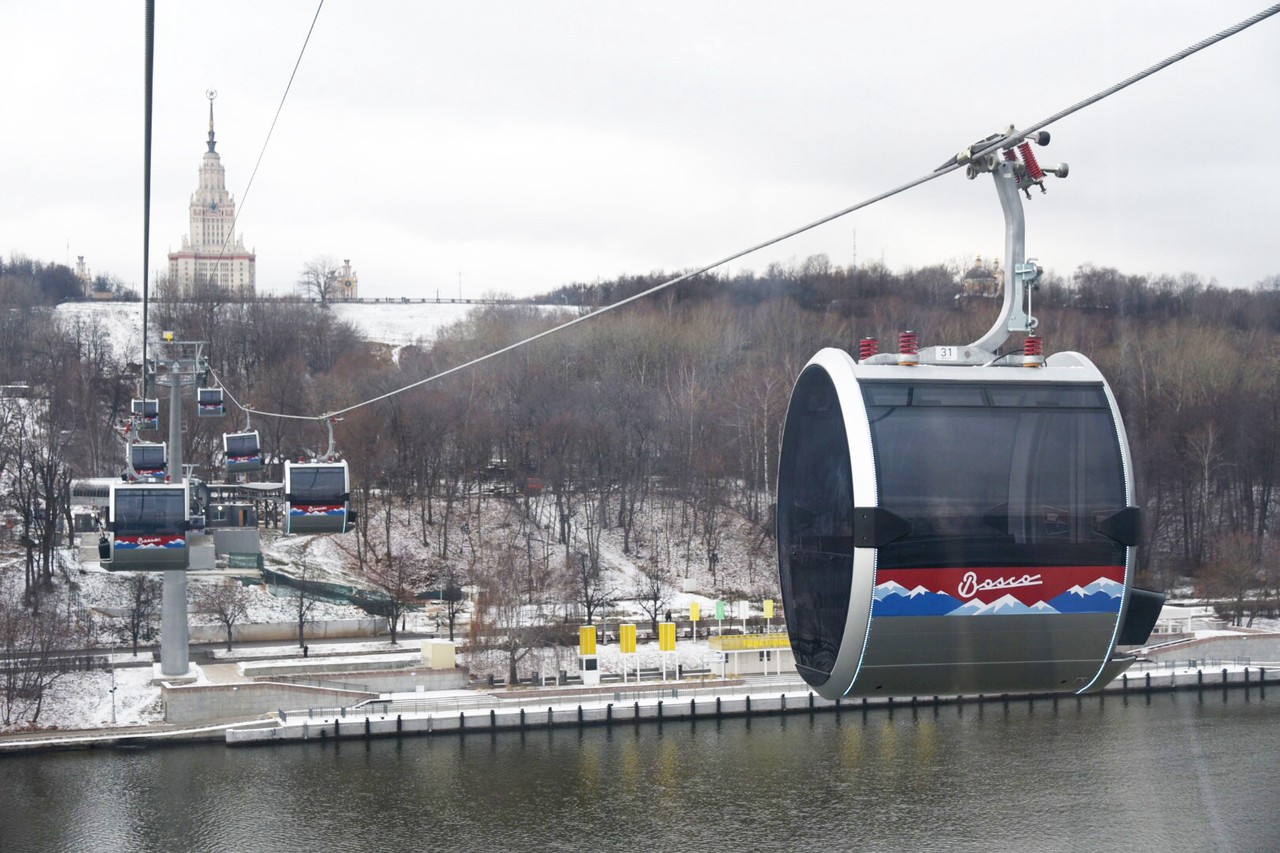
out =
column 915, row 602
column 1101, row 596
column 1005, row 605
column 1110, row 587
column 891, row 588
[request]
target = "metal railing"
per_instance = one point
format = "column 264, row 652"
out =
column 484, row 702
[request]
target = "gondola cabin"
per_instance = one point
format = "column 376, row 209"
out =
column 149, row 460
column 209, row 403
column 957, row 529
column 242, row 451
column 147, row 525
column 317, row 497
column 146, row 412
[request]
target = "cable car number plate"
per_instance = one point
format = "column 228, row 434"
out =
column 947, row 353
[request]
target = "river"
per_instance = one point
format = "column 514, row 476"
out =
column 1182, row 771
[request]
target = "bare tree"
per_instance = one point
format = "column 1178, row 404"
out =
column 227, row 600
column 138, row 621
column 304, row 598
column 319, row 279
column 587, row 583
column 652, row 589
column 30, row 645
column 1233, row 573
column 508, row 620
column 450, row 579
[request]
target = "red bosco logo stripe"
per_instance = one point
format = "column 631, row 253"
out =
column 999, row 590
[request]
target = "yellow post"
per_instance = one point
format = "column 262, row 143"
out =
column 695, row 611
column 667, row 637
column 587, row 640
column 768, row 608
column 627, row 639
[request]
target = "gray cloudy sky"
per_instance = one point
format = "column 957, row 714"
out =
column 523, row 145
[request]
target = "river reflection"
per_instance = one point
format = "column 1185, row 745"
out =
column 1177, row 772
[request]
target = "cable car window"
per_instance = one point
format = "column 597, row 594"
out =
column 815, row 530
column 143, row 511
column 1047, row 396
column 148, row 456
column 317, row 482
column 947, row 395
column 242, row 445
column 1040, row 465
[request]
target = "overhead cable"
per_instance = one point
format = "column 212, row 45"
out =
column 980, row 149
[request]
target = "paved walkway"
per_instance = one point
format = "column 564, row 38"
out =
column 223, row 673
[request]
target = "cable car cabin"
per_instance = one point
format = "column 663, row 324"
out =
column 242, row 451
column 149, row 460
column 147, row 413
column 209, row 403
column 148, row 523
column 317, row 497
column 957, row 529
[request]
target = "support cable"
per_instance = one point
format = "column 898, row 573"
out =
column 149, row 63
column 980, row 149
column 230, row 237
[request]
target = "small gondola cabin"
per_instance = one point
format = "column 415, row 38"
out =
column 242, row 451
column 149, row 460
column 209, row 403
column 146, row 412
column 147, row 527
column 317, row 497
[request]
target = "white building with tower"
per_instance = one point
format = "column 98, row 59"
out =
column 211, row 252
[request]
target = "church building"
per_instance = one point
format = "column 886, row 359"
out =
column 212, row 253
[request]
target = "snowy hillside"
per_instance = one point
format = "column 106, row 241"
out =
column 395, row 324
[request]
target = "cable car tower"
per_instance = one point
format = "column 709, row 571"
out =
column 177, row 365
column 958, row 519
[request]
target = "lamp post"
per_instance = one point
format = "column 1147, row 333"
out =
column 112, row 691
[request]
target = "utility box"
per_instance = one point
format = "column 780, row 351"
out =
column 589, row 668
column 438, row 654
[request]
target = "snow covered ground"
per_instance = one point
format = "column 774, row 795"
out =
column 82, row 700
column 395, row 324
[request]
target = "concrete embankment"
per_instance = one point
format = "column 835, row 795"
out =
column 466, row 712
column 392, row 719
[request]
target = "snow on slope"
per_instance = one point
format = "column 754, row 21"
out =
column 396, row 324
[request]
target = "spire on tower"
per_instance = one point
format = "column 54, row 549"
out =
column 211, row 94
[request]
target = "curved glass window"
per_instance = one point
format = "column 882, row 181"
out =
column 1007, row 474
column 815, row 524
column 149, row 456
column 143, row 511
column 241, row 444
column 317, row 483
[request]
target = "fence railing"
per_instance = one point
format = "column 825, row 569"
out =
column 487, row 701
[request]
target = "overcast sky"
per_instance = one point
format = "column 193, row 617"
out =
column 518, row 146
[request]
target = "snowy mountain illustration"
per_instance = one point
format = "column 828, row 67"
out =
column 894, row 599
column 1005, row 605
column 1101, row 596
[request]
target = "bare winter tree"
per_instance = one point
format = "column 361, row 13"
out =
column 652, row 589
column 304, row 598
column 228, row 602
column 30, row 645
column 587, row 583
column 319, row 279
column 138, row 621
column 508, row 620
column 1233, row 574
column 398, row 572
